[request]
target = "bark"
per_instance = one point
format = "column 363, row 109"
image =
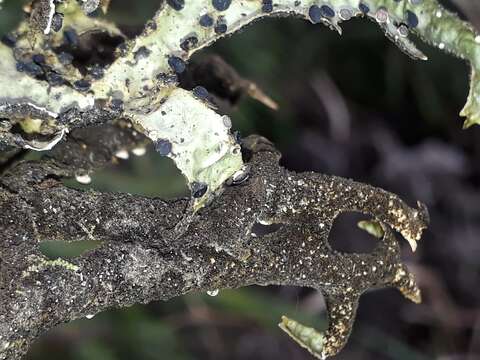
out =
column 57, row 87
column 153, row 249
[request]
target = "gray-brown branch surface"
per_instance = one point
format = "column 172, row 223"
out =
column 153, row 249
column 60, row 93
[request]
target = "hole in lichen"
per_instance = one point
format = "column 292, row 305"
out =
column 67, row 250
column 148, row 175
column 347, row 237
column 261, row 230
column 30, row 129
column 91, row 49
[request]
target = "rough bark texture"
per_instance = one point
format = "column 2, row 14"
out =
column 54, row 82
column 154, row 249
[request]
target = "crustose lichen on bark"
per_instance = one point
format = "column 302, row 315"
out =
column 155, row 249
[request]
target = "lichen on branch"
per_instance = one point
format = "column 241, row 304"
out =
column 155, row 250
column 43, row 87
column 181, row 28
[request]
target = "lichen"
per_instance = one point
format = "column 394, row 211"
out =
column 203, row 150
column 372, row 227
column 30, row 95
column 306, row 337
column 155, row 250
column 184, row 29
column 144, row 74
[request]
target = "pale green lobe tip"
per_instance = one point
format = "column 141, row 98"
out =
column 372, row 227
column 306, row 337
column 472, row 108
column 448, row 32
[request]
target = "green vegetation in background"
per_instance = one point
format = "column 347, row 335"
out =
column 149, row 175
column 383, row 344
column 283, row 56
column 10, row 15
column 67, row 250
column 141, row 332
column 115, row 335
column 260, row 307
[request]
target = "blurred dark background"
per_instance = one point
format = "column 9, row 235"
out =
column 352, row 106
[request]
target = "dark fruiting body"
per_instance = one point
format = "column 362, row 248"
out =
column 177, row 64
column 176, row 4
column 116, row 104
column 206, row 20
column 327, row 11
column 412, row 19
column 71, row 37
column 82, row 85
column 364, row 8
column 9, row 40
column 38, row 59
column 57, row 22
column 163, row 147
column 221, row 5
column 96, row 71
column 200, row 92
column 54, row 79
column 221, row 25
column 315, row 14
column 199, row 189
column 189, row 43
column 30, row 68
column 267, row 6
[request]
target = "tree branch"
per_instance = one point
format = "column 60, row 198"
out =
column 54, row 83
column 154, row 249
